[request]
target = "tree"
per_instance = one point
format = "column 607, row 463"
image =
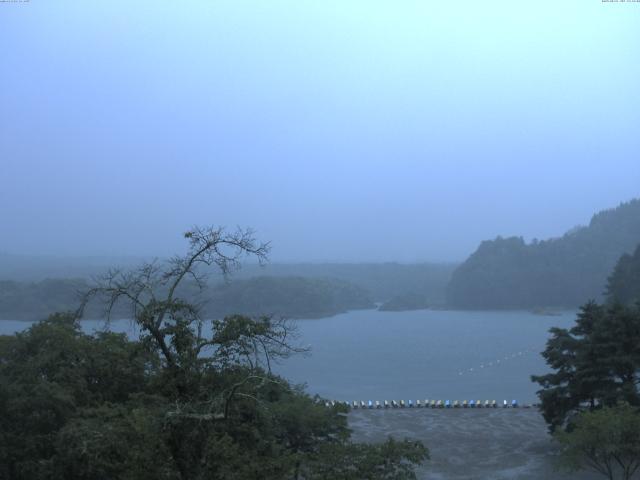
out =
column 596, row 363
column 48, row 376
column 192, row 399
column 623, row 285
column 606, row 441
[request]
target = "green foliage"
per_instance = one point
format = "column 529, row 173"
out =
column 606, row 441
column 560, row 272
column 177, row 404
column 47, row 375
column 595, row 363
column 624, row 283
column 102, row 407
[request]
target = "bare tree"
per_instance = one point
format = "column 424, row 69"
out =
column 174, row 324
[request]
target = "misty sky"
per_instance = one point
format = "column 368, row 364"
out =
column 339, row 130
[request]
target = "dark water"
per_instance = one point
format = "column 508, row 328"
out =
column 364, row 355
column 367, row 354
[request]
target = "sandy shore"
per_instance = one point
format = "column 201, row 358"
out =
column 470, row 443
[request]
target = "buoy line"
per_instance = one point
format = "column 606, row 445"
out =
column 497, row 362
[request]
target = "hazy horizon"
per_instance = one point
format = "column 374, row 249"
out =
column 340, row 132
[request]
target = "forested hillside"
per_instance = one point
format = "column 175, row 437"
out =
column 292, row 297
column 383, row 281
column 624, row 282
column 561, row 272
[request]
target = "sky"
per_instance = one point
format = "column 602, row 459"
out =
column 338, row 130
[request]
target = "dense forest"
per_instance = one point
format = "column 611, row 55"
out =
column 559, row 272
column 624, row 283
column 292, row 297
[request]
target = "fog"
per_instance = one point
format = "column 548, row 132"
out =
column 339, row 131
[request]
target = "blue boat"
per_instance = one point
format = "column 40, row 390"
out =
column 472, row 404
column 514, row 404
column 447, row 404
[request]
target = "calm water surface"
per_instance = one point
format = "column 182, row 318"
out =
column 367, row 354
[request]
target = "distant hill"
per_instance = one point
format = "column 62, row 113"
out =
column 292, row 297
column 560, row 272
column 383, row 281
column 407, row 301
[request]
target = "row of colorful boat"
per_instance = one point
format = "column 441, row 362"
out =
column 431, row 404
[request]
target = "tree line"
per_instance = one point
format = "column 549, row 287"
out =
column 560, row 272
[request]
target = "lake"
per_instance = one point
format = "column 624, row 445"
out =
column 373, row 355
